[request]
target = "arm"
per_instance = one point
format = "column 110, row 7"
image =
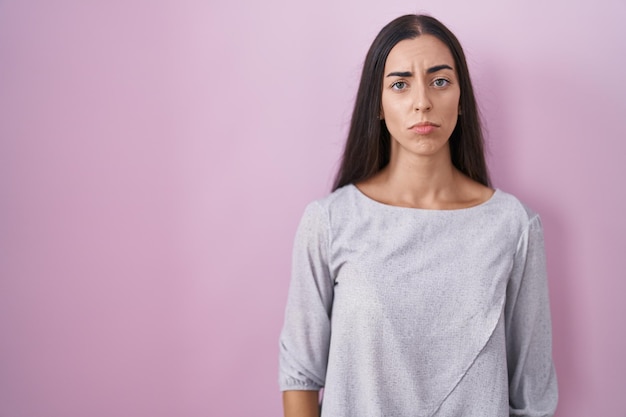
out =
column 305, row 337
column 301, row 403
column 532, row 378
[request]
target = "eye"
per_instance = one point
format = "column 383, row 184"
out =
column 399, row 85
column 441, row 82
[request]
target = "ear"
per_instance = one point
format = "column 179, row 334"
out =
column 381, row 115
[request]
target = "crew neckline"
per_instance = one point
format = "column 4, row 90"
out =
column 370, row 200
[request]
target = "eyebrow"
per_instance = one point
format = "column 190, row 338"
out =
column 430, row 70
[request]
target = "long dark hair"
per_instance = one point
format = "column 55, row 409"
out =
column 368, row 146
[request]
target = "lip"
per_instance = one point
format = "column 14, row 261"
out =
column 424, row 128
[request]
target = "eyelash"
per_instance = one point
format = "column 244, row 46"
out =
column 447, row 82
column 395, row 86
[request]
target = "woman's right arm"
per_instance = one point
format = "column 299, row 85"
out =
column 305, row 337
column 301, row 403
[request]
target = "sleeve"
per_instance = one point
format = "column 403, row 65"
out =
column 305, row 337
column 532, row 377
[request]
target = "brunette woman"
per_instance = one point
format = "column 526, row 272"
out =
column 417, row 289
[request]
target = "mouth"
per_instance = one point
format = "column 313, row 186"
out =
column 423, row 128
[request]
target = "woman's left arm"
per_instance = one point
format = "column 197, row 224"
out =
column 532, row 377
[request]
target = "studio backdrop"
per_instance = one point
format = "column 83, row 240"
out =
column 156, row 157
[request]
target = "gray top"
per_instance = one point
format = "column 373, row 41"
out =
column 410, row 312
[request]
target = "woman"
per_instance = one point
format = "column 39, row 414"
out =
column 417, row 290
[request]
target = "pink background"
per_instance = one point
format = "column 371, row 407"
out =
column 156, row 156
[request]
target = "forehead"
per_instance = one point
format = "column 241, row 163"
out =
column 421, row 52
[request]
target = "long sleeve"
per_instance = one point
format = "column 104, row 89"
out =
column 532, row 378
column 305, row 338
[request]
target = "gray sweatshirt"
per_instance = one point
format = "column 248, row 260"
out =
column 402, row 312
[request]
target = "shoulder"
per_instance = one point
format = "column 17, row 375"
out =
column 337, row 209
column 342, row 199
column 515, row 210
column 321, row 211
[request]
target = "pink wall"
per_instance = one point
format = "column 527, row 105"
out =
column 155, row 157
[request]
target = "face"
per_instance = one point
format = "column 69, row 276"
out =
column 420, row 99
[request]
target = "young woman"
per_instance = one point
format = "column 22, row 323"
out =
column 417, row 289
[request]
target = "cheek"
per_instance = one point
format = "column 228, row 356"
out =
column 452, row 108
column 392, row 107
column 385, row 105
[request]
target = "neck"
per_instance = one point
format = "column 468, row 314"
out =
column 421, row 180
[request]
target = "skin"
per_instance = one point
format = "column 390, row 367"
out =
column 420, row 85
column 301, row 403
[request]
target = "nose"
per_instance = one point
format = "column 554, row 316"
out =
column 421, row 101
